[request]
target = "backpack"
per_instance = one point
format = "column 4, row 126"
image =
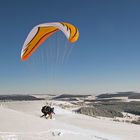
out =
column 46, row 109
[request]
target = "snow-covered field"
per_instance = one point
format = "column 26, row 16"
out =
column 20, row 120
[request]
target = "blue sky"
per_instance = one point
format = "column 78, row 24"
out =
column 106, row 58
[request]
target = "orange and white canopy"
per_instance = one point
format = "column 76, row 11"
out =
column 43, row 31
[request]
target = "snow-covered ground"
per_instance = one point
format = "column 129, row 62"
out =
column 20, row 120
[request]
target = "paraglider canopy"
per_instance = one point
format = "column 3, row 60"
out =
column 43, row 31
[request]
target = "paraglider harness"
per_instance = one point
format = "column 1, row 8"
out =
column 47, row 110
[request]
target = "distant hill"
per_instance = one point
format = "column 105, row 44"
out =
column 130, row 95
column 18, row 98
column 70, row 96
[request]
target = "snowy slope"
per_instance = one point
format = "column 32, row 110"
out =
column 21, row 121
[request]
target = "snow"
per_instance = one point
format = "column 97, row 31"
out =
column 20, row 120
